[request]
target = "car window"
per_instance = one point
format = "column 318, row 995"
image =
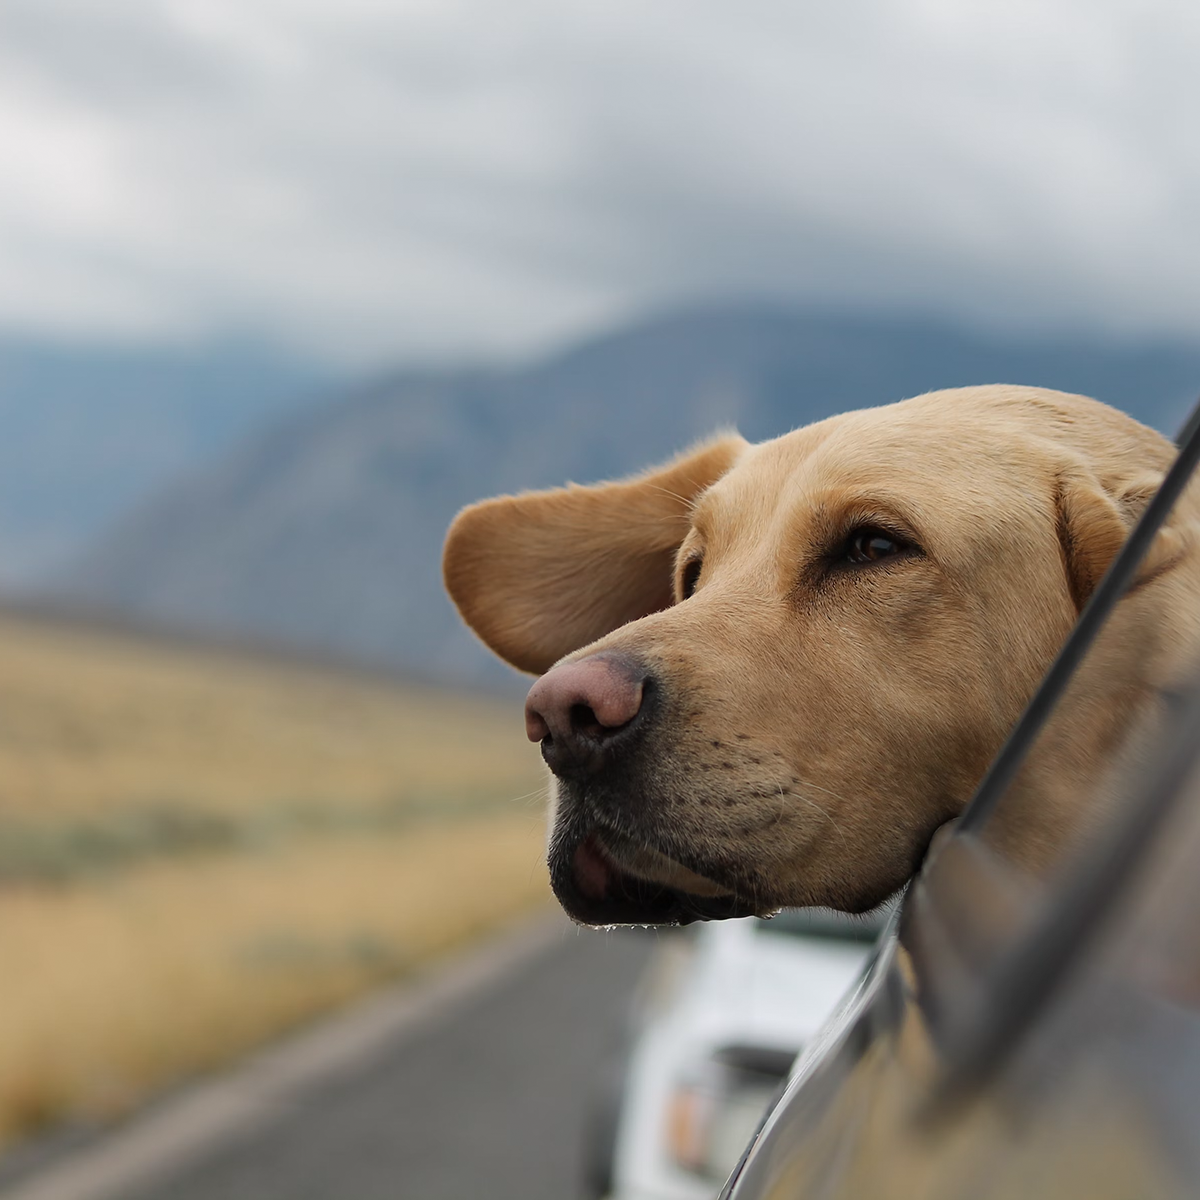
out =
column 1066, row 792
column 1035, row 1028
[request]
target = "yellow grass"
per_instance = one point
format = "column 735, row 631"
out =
column 363, row 828
column 91, row 720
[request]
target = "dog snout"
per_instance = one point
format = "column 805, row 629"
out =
column 583, row 711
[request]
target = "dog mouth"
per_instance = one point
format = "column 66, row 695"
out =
column 596, row 889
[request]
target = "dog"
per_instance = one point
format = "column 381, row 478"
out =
column 770, row 672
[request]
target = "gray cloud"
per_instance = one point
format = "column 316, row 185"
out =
column 440, row 176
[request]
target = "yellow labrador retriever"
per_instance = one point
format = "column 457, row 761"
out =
column 769, row 672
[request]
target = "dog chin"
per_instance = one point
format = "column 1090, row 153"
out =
column 634, row 886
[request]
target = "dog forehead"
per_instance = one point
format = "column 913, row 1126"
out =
column 927, row 450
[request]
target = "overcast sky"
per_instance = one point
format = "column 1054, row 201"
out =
column 380, row 179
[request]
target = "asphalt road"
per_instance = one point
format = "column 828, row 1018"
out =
column 488, row 1103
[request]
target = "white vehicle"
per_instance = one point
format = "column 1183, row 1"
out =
column 725, row 1009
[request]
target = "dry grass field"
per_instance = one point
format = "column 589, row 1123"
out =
column 200, row 848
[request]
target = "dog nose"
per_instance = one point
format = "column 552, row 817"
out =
column 578, row 710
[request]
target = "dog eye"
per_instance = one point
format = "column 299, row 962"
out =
column 691, row 576
column 869, row 545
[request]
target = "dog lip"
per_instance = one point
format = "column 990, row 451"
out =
column 595, row 890
column 592, row 868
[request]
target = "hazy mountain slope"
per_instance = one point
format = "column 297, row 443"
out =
column 85, row 431
column 326, row 531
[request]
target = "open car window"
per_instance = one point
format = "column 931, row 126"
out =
column 1071, row 780
column 1044, row 973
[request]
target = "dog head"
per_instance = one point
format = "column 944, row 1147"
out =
column 772, row 671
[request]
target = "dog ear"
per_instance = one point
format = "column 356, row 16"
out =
column 541, row 574
column 1095, row 518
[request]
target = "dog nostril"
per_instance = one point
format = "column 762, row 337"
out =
column 537, row 728
column 585, row 721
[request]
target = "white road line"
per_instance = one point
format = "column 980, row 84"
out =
column 239, row 1104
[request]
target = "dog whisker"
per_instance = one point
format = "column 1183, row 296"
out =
column 538, row 798
column 824, row 791
column 542, row 793
column 826, row 814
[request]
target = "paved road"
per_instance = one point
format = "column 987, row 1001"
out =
column 485, row 1104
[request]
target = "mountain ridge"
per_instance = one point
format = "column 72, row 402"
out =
column 87, row 430
column 325, row 529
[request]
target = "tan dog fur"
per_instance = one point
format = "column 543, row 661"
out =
column 822, row 719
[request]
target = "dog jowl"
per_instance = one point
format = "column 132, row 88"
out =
column 769, row 672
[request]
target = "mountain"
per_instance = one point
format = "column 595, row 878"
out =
column 86, row 431
column 325, row 531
